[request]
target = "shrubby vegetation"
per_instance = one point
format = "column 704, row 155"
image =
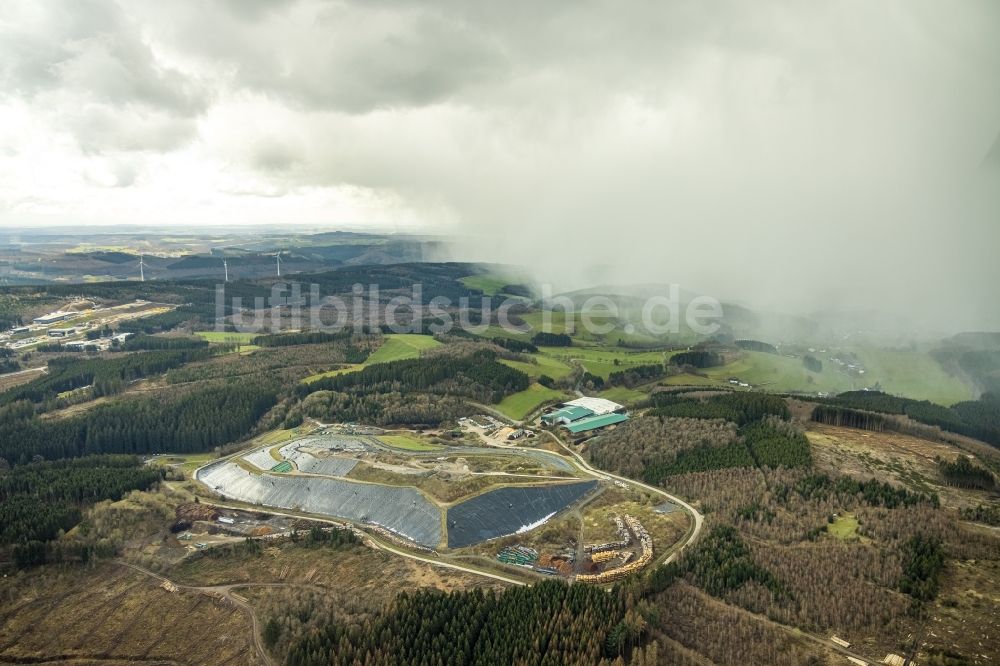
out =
column 779, row 516
column 651, row 448
column 812, row 363
column 697, row 630
column 988, row 514
column 285, row 365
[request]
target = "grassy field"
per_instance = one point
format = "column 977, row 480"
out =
column 221, row 337
column 488, row 283
column 408, row 442
column 691, row 380
column 188, row 462
column 401, row 346
column 783, row 373
column 623, row 395
column 396, row 347
column 909, row 373
column 845, row 527
column 914, row 374
column 602, row 362
column 519, row 405
column 278, row 436
column 622, row 329
column 546, row 365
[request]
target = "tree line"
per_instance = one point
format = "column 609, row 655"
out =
column 756, row 345
column 966, row 474
column 304, row 338
column 639, row 374
column 156, row 343
column 849, row 418
column 186, row 422
column 8, row 362
column 543, row 339
column 740, row 408
column 697, row 359
column 973, row 418
column 872, row 492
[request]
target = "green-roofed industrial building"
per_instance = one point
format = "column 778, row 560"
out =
column 586, row 414
column 566, row 415
column 594, row 422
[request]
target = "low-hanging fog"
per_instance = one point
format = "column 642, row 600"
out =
column 790, row 156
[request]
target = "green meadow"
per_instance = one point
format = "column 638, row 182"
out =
column 519, row 405
column 395, row 347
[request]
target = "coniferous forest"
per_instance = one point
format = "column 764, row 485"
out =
column 479, row 376
column 40, row 500
column 196, row 420
column 549, row 623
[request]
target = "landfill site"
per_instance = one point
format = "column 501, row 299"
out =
column 321, row 474
column 502, row 505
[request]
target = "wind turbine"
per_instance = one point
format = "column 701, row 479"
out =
column 277, row 257
column 226, row 267
column 142, row 273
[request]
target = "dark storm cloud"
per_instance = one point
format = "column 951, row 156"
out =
column 788, row 154
column 349, row 57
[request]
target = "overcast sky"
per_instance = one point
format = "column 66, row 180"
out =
column 778, row 152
